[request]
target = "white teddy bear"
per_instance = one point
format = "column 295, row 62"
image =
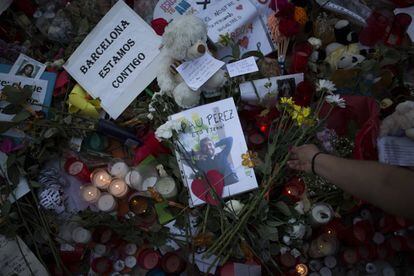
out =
column 184, row 39
column 401, row 119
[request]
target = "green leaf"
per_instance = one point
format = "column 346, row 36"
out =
column 235, row 51
column 252, row 54
column 5, row 126
column 282, row 207
column 17, row 96
column 21, row 116
column 35, row 184
column 274, row 223
column 12, row 109
column 5, row 208
column 13, row 174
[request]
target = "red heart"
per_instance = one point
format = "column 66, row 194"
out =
column 244, row 42
column 200, row 187
column 239, row 7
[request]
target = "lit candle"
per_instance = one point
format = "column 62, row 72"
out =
column 81, row 235
column 78, row 169
column 324, row 245
column 320, row 214
column 166, row 185
column 118, row 188
column 107, row 203
column 294, row 189
column 301, row 269
column 101, row 178
column 134, row 179
column 90, row 193
column 119, row 169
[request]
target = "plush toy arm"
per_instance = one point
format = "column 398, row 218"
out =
column 165, row 79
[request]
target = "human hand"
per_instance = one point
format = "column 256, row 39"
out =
column 301, row 157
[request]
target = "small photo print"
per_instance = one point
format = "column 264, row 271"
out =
column 27, row 67
column 286, row 87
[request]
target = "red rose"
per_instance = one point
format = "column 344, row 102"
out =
column 159, row 25
column 286, row 10
column 288, row 27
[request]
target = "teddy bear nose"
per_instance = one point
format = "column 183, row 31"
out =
column 201, row 49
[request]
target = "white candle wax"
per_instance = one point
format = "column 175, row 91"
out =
column 325, row 271
column 166, row 187
column 75, row 168
column 321, row 213
column 90, row 193
column 133, row 179
column 148, row 182
column 101, row 178
column 107, row 203
column 119, row 169
column 130, row 261
column 119, row 265
column 99, row 249
column 118, row 187
column 81, row 235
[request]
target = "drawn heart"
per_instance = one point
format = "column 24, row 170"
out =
column 201, row 189
column 239, row 7
column 244, row 42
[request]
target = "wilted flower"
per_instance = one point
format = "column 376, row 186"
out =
column 326, row 86
column 335, row 100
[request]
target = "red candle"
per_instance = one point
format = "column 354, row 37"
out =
column 172, row 263
column 349, row 256
column 78, row 169
column 398, row 29
column 101, row 265
column 148, row 259
column 294, row 189
column 301, row 54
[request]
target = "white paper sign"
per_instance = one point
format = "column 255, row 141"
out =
column 196, row 72
column 39, row 91
column 227, row 16
column 241, row 67
column 12, row 261
column 117, row 60
column 409, row 11
column 397, row 151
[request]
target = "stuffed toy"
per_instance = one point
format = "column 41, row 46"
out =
column 401, row 120
column 185, row 39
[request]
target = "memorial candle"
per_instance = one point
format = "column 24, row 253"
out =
column 78, row 169
column 321, row 213
column 107, row 203
column 90, row 193
column 166, row 185
column 101, row 179
column 119, row 169
column 81, row 235
column 118, row 188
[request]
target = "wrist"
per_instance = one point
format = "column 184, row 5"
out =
column 313, row 166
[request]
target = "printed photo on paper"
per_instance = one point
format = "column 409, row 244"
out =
column 27, row 67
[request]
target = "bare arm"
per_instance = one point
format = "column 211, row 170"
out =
column 388, row 187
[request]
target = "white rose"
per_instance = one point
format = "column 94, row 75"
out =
column 233, row 206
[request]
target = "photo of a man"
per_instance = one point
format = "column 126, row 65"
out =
column 209, row 159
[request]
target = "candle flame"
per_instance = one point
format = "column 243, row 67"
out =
column 301, row 269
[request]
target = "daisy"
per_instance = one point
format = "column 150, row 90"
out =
column 336, row 100
column 326, row 85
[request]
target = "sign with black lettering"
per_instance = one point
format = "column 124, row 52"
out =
column 116, row 61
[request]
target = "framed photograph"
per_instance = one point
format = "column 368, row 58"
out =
column 211, row 147
column 27, row 67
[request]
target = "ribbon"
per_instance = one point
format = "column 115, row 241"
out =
column 80, row 102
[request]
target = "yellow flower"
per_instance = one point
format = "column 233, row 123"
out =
column 288, row 101
column 299, row 114
column 249, row 159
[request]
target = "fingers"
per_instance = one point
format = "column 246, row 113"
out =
column 297, row 165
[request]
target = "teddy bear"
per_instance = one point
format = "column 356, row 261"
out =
column 185, row 39
column 401, row 120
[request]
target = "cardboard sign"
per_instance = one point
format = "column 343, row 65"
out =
column 117, row 60
column 226, row 16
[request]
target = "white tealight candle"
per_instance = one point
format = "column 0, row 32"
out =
column 148, row 182
column 81, row 235
column 133, row 179
column 99, row 249
column 320, row 214
column 165, row 185
column 90, row 193
column 101, row 178
column 107, row 203
column 130, row 261
column 119, row 169
column 118, row 188
column 130, row 249
column 119, row 265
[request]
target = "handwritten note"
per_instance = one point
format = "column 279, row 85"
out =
column 196, row 72
column 226, row 16
column 12, row 261
column 242, row 67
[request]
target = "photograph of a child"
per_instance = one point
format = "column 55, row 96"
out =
column 211, row 158
column 27, row 67
column 286, row 87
